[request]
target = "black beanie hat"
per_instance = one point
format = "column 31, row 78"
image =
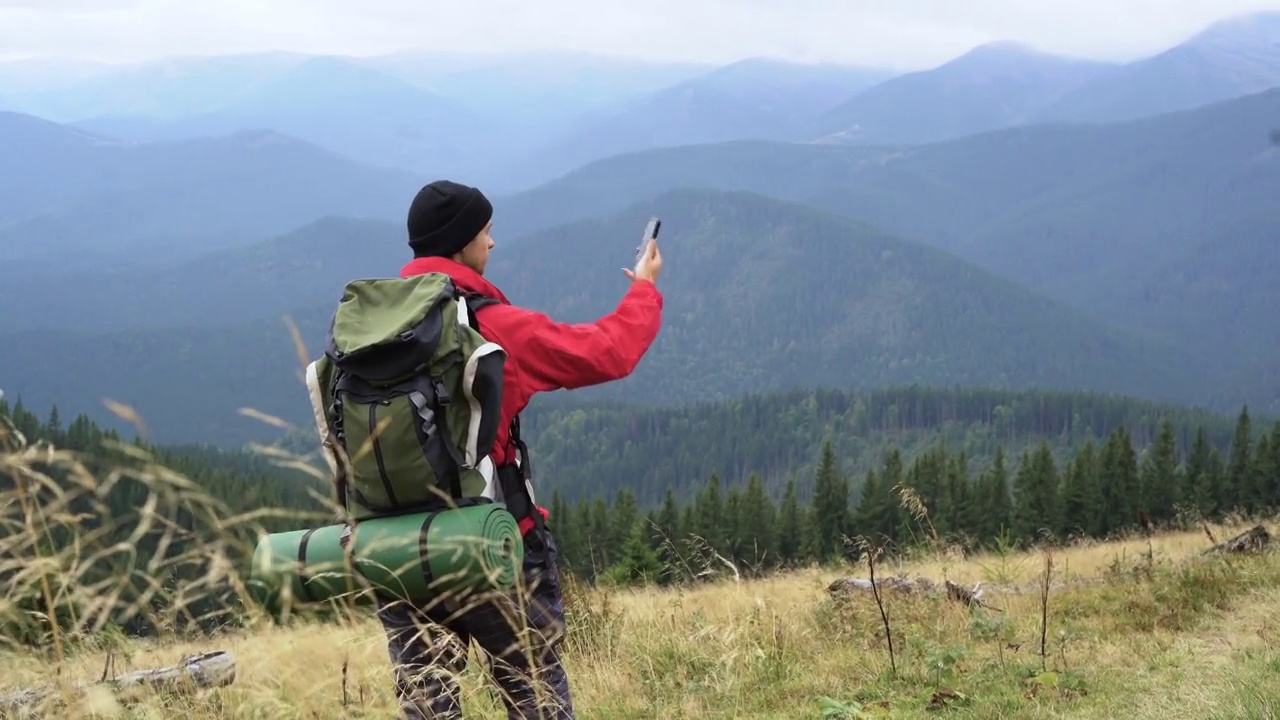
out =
column 445, row 216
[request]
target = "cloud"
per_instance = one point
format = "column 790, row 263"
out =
column 58, row 7
column 902, row 33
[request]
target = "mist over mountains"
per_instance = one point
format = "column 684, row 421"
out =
column 1009, row 218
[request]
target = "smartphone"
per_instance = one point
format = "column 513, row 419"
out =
column 650, row 233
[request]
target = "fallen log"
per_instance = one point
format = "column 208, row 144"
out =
column 204, row 671
column 1254, row 540
column 969, row 597
column 893, row 582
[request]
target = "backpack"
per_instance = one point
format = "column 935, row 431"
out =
column 407, row 397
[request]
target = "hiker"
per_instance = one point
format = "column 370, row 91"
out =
column 448, row 228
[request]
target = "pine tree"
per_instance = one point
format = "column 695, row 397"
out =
column 789, row 526
column 1261, row 476
column 865, row 514
column 734, row 537
column 1272, row 481
column 1118, row 478
column 758, row 523
column 961, row 515
column 568, row 531
column 601, row 525
column 1036, row 501
column 1195, row 482
column 1211, row 487
column 1081, row 496
column 637, row 561
column 1240, row 466
column 709, row 513
column 622, row 517
column 889, row 514
column 1160, row 478
column 995, row 491
column 829, row 507
column 667, row 535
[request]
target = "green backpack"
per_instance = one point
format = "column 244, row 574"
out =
column 407, row 397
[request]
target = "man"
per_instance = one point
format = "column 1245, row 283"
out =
column 448, row 228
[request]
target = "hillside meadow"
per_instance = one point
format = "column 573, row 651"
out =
column 1140, row 627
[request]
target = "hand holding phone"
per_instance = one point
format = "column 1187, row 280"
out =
column 648, row 262
column 650, row 233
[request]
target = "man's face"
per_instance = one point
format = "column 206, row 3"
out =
column 476, row 254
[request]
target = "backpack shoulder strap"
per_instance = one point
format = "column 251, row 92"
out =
column 474, row 302
column 514, row 482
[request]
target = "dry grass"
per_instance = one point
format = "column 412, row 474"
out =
column 1192, row 638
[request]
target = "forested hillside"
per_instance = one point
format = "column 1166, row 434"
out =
column 760, row 295
column 1105, row 487
column 1142, row 225
column 594, row 450
column 1059, row 466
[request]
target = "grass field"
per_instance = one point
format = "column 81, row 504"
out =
column 1175, row 636
column 1135, row 630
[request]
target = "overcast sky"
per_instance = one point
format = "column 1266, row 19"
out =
column 899, row 33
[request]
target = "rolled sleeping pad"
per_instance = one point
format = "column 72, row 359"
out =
column 420, row 556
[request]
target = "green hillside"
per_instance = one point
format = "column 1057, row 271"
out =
column 596, row 449
column 1116, row 220
column 303, row 268
column 988, row 466
column 763, row 294
column 983, row 195
column 760, row 295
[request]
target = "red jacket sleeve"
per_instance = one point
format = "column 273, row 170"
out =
column 565, row 356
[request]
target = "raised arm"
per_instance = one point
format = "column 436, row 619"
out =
column 556, row 356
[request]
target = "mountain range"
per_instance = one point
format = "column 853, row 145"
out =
column 513, row 122
column 869, row 309
column 1119, row 220
column 70, row 198
column 151, row 244
column 992, row 86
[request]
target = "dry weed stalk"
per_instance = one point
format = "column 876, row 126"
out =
column 107, row 541
column 873, row 553
column 1044, row 607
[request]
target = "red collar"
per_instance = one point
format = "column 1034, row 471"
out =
column 464, row 277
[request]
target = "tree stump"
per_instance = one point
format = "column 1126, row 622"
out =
column 196, row 672
column 1254, row 540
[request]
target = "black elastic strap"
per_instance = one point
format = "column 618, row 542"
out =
column 377, row 456
column 302, row 565
column 424, row 552
column 433, row 413
column 514, row 481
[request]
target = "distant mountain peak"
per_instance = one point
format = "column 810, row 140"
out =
column 1000, row 54
column 1257, row 28
column 23, row 126
column 261, row 137
column 1233, row 57
column 1005, row 47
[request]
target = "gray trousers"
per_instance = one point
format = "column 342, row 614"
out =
column 519, row 635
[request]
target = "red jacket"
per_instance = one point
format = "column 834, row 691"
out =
column 544, row 355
